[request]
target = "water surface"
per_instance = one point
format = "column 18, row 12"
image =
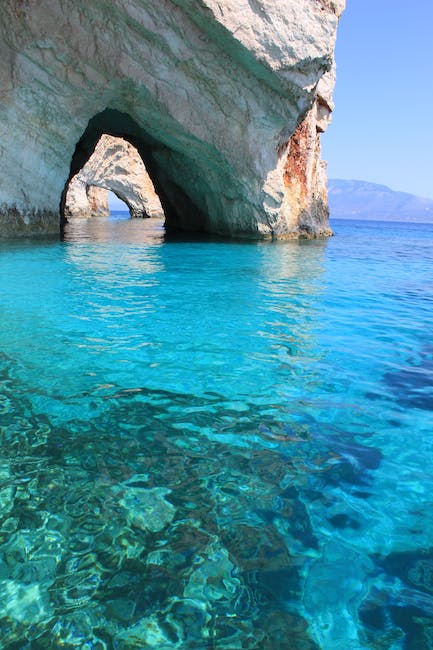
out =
column 211, row 444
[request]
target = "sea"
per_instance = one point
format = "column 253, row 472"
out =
column 212, row 444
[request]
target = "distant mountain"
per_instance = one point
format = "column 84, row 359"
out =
column 362, row 200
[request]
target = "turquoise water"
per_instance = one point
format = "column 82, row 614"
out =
column 210, row 444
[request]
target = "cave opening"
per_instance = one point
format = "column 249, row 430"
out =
column 162, row 195
column 116, row 205
column 115, row 169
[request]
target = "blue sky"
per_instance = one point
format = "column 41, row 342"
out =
column 115, row 203
column 382, row 128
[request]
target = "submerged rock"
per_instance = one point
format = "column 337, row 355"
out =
column 147, row 508
column 412, row 382
column 146, row 633
column 24, row 603
column 225, row 101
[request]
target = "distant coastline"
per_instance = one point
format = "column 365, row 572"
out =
column 361, row 200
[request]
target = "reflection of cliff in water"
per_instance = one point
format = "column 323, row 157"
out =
column 110, row 230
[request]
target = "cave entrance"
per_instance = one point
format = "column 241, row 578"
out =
column 114, row 167
column 116, row 206
column 116, row 155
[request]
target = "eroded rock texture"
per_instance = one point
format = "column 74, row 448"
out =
column 224, row 99
column 117, row 166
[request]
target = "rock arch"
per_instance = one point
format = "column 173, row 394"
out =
column 225, row 101
column 180, row 173
column 114, row 165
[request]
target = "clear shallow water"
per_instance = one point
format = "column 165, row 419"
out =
column 217, row 444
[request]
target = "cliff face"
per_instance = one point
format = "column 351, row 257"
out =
column 117, row 166
column 224, row 100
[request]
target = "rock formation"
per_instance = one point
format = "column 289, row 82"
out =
column 117, row 166
column 225, row 101
column 95, row 206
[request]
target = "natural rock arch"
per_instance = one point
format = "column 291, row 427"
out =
column 116, row 166
column 160, row 162
column 225, row 100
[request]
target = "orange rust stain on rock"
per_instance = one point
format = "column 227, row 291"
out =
column 295, row 167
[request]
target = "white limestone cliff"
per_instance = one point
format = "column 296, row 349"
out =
column 117, row 166
column 224, row 99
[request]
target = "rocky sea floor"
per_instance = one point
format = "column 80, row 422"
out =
column 217, row 445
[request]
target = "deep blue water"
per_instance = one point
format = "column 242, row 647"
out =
column 211, row 444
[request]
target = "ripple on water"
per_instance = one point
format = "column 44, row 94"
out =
column 216, row 444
